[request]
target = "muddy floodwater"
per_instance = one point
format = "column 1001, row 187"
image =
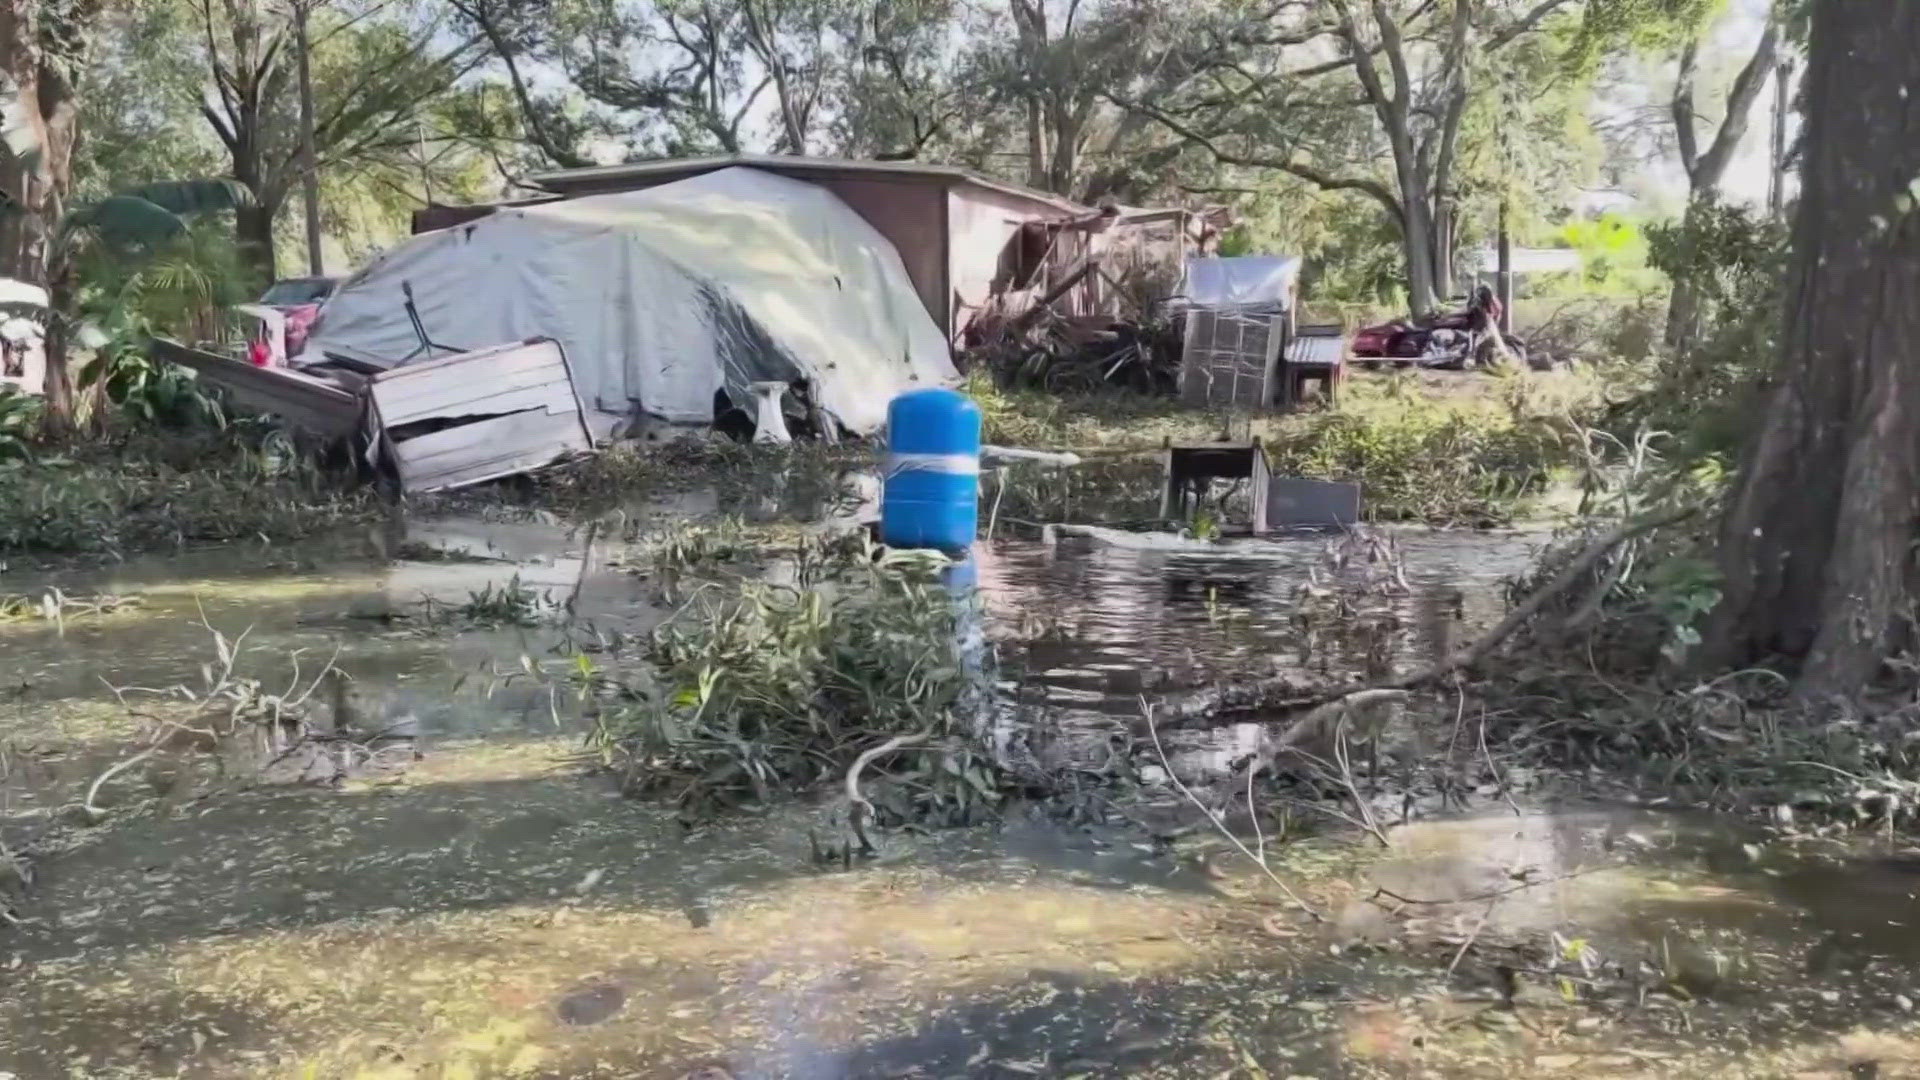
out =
column 497, row 910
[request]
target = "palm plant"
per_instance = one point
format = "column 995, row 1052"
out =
column 128, row 229
column 184, row 288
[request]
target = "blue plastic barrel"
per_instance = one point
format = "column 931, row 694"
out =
column 931, row 498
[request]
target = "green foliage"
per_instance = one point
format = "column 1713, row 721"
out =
column 1609, row 26
column 19, row 422
column 1736, row 259
column 1352, row 253
column 512, row 603
column 1682, row 590
column 1427, row 463
column 182, row 288
column 757, row 689
column 147, row 216
column 140, row 106
column 1614, row 255
column 135, row 490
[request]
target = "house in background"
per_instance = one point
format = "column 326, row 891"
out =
column 978, row 251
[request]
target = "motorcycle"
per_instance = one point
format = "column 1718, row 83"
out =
column 1445, row 342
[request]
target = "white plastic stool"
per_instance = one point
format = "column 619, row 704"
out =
column 769, row 423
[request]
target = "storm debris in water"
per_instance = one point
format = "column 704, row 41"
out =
column 591, row 1004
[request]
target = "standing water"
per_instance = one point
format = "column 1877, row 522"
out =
column 498, row 910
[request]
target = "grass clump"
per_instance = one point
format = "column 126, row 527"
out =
column 58, row 607
column 145, row 490
column 800, row 474
column 1440, row 449
column 512, row 603
column 1431, row 467
column 1467, row 450
column 1108, row 419
column 763, row 689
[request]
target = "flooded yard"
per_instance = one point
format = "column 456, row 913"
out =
column 493, row 907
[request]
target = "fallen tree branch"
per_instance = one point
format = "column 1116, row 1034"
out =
column 1260, row 860
column 1524, row 612
column 1329, row 707
column 857, row 802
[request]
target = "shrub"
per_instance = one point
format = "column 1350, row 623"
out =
column 756, row 689
column 139, row 490
column 1427, row 462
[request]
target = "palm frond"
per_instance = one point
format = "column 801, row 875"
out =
column 127, row 221
column 188, row 197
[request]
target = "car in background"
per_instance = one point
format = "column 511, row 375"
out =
column 299, row 299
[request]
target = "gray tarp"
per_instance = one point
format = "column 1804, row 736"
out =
column 662, row 296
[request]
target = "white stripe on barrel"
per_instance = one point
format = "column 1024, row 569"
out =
column 951, row 464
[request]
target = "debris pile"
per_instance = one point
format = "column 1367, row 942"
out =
column 1045, row 350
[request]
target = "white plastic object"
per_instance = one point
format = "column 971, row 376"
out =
column 769, row 423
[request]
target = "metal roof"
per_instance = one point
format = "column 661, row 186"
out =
column 1317, row 350
column 565, row 179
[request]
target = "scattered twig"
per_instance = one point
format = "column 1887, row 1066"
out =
column 1330, row 706
column 1472, row 936
column 1341, row 757
column 1524, row 612
column 1258, row 860
column 1509, row 890
column 1491, row 768
column 857, row 802
column 94, row 813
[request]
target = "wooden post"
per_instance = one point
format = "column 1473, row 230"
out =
column 309, row 165
column 1503, row 278
column 1167, row 494
column 1259, row 475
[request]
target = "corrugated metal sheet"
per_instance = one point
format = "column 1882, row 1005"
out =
column 1316, row 351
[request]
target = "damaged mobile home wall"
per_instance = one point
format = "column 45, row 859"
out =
column 978, row 251
column 662, row 296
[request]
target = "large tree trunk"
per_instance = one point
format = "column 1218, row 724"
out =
column 1816, row 543
column 1707, row 169
column 1683, row 305
column 1417, row 241
column 253, row 228
column 42, row 51
column 64, row 308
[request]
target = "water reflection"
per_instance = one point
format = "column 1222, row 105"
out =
column 1107, row 623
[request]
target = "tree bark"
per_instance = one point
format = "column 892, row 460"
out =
column 1707, row 169
column 253, row 227
column 1683, row 303
column 62, row 312
column 309, row 161
column 1816, row 541
column 43, row 50
column 1393, row 105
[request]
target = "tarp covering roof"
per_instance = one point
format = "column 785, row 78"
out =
column 1241, row 281
column 664, row 295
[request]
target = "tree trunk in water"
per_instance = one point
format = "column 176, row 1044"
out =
column 1816, row 541
column 253, row 228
